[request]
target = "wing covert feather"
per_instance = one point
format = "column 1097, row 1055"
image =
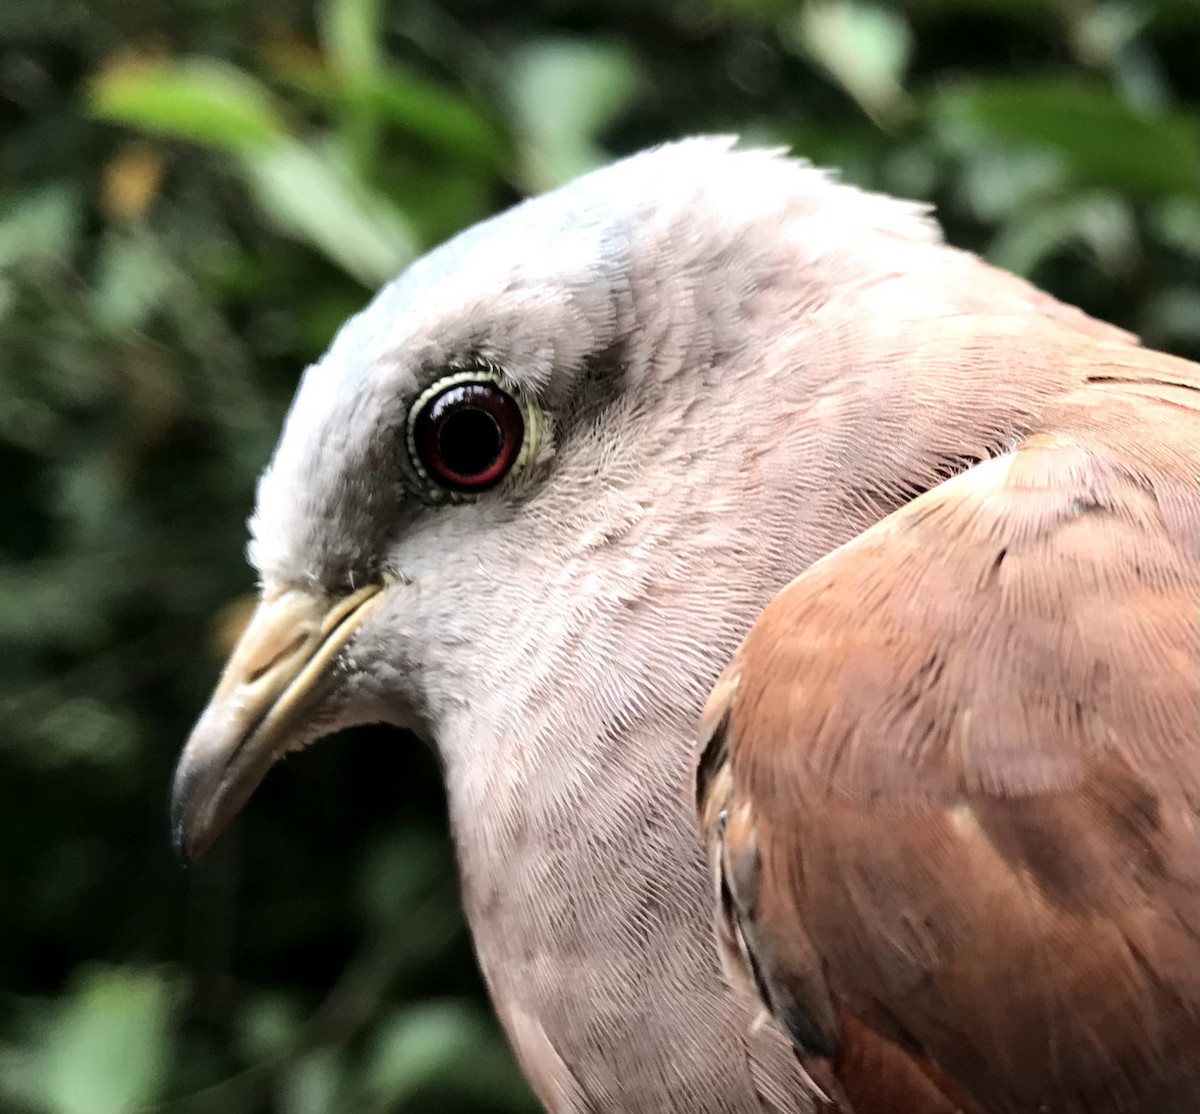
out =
column 958, row 764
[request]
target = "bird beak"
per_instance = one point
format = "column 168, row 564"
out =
column 279, row 670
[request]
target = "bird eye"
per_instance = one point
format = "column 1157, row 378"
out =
column 467, row 433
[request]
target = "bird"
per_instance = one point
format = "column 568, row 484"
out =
column 648, row 504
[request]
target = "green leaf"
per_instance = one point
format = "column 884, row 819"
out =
column 863, row 47
column 43, row 224
column 107, row 1050
column 1103, row 140
column 1101, row 32
column 1177, row 222
column 197, row 99
column 1101, row 223
column 421, row 107
column 418, row 1045
column 999, row 183
column 434, row 113
column 350, row 32
column 132, row 283
column 421, row 1049
column 563, row 93
column 38, row 608
column 316, row 197
column 1172, row 317
column 756, row 9
column 268, row 1026
column 350, row 35
column 313, row 1083
column 84, row 729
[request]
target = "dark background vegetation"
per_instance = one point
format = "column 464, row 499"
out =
column 193, row 195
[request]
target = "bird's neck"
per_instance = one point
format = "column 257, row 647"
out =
column 752, row 473
column 568, row 774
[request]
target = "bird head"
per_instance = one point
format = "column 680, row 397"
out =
column 543, row 482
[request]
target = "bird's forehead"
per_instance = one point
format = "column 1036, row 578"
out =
column 510, row 289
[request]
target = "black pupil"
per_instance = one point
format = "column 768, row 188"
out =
column 469, row 440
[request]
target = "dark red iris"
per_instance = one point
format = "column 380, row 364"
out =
column 469, row 436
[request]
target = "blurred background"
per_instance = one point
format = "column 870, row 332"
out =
column 193, row 195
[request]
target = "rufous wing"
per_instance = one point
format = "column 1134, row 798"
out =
column 949, row 783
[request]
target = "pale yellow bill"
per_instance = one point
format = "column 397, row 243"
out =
column 278, row 670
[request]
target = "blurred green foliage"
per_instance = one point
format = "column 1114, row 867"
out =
column 193, row 195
